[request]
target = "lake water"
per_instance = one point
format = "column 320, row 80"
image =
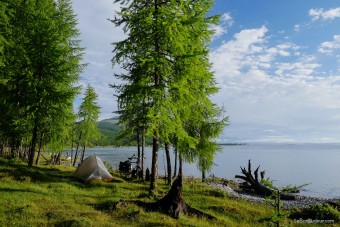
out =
column 295, row 164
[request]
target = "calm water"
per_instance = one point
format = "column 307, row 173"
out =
column 295, row 164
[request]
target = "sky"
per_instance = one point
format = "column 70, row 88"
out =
column 277, row 64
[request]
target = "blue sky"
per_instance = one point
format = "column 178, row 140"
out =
column 277, row 64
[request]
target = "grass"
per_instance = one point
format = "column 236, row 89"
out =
column 51, row 196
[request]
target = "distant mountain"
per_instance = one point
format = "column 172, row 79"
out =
column 109, row 125
column 110, row 130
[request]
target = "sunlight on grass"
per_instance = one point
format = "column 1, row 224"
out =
column 51, row 195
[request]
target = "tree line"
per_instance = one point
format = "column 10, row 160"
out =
column 40, row 64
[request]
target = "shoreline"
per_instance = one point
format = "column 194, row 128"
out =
column 302, row 202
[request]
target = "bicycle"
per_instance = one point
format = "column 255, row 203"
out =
column 126, row 170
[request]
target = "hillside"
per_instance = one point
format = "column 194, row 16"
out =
column 109, row 125
column 110, row 130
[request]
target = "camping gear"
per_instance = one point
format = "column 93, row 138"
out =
column 92, row 168
column 125, row 168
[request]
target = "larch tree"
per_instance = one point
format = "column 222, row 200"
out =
column 43, row 66
column 88, row 115
column 4, row 25
column 166, row 61
column 4, row 39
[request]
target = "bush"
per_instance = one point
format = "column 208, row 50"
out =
column 325, row 212
column 317, row 212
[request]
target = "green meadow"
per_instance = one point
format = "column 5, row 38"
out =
column 49, row 195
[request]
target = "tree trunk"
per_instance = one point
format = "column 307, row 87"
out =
column 33, row 144
column 138, row 146
column 143, row 148
column 77, row 150
column 39, row 149
column 154, row 165
column 58, row 158
column 203, row 176
column 83, row 153
column 173, row 203
column 76, row 154
column 71, row 152
column 12, row 152
column 72, row 141
column 168, row 163
column 175, row 167
column 180, row 169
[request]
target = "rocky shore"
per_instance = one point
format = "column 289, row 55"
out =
column 301, row 202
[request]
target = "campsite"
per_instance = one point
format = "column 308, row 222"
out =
column 51, row 195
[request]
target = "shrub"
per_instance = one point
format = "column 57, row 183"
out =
column 325, row 212
column 316, row 212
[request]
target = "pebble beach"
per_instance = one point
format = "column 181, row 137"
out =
column 300, row 202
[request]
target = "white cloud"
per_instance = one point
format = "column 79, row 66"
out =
column 321, row 14
column 97, row 34
column 227, row 19
column 265, row 86
column 220, row 29
column 329, row 47
column 303, row 68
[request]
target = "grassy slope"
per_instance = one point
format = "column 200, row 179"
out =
column 50, row 195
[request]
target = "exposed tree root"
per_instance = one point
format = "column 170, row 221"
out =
column 252, row 183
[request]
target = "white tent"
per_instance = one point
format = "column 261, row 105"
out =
column 93, row 168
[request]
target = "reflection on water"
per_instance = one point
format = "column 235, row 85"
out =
column 317, row 164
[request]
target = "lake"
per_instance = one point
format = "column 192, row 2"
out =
column 294, row 164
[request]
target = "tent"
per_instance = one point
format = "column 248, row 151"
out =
column 92, row 168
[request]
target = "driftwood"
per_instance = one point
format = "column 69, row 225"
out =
column 173, row 203
column 253, row 184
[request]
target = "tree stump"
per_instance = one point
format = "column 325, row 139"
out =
column 173, row 203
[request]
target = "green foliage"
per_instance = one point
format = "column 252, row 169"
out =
column 286, row 189
column 324, row 212
column 42, row 66
column 293, row 188
column 318, row 212
column 4, row 24
column 88, row 114
column 267, row 182
column 278, row 215
column 168, row 81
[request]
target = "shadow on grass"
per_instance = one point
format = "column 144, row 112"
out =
column 35, row 173
column 20, row 190
column 44, row 174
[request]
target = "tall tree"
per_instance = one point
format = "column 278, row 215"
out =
column 88, row 115
column 166, row 59
column 14, row 124
column 44, row 64
column 4, row 39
